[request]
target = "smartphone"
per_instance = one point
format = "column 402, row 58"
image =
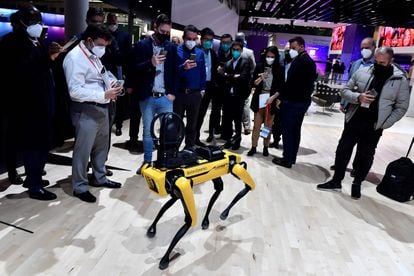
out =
column 268, row 70
column 44, row 32
column 193, row 57
column 373, row 92
column 70, row 42
column 119, row 83
column 163, row 52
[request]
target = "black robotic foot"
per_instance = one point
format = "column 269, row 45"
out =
column 205, row 224
column 164, row 263
column 224, row 214
column 151, row 232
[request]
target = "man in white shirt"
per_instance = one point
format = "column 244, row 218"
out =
column 91, row 88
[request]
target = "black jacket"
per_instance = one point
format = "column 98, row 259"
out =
column 277, row 84
column 300, row 79
column 141, row 72
column 239, row 84
column 28, row 90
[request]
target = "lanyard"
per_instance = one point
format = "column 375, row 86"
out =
column 91, row 61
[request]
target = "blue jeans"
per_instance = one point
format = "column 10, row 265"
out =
column 292, row 118
column 149, row 108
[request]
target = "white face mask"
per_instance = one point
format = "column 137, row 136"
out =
column 293, row 53
column 98, row 51
column 270, row 60
column 366, row 53
column 35, row 30
column 113, row 27
column 190, row 44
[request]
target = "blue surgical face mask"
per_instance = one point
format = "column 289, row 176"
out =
column 225, row 47
column 207, row 44
column 236, row 54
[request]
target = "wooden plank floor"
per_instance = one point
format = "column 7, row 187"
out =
column 284, row 227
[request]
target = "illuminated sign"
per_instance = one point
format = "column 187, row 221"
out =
column 337, row 41
column 396, row 37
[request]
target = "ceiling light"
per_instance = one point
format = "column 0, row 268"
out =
column 150, row 7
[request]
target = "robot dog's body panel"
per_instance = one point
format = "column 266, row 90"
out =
column 198, row 174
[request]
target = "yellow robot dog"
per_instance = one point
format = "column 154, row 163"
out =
column 175, row 172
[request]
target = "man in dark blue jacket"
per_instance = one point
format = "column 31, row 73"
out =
column 153, row 75
column 211, row 62
column 296, row 98
column 191, row 83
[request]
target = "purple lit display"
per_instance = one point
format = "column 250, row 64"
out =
column 54, row 22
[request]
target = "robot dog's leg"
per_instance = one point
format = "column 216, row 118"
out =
column 241, row 194
column 239, row 170
column 218, row 186
column 152, row 230
column 182, row 189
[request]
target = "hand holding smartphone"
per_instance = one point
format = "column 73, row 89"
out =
column 193, row 57
column 120, row 83
column 69, row 43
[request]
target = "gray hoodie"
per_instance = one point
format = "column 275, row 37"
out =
column 394, row 98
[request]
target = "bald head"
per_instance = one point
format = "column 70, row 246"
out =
column 367, row 48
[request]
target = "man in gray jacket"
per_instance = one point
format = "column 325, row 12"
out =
column 379, row 97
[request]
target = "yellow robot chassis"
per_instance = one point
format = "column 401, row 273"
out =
column 211, row 163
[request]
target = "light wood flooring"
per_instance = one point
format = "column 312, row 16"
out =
column 284, row 227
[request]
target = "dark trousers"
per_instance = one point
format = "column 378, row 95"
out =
column 232, row 112
column 11, row 148
column 292, row 118
column 134, row 116
column 356, row 132
column 34, row 163
column 277, row 126
column 120, row 111
column 189, row 105
column 205, row 102
column 214, row 126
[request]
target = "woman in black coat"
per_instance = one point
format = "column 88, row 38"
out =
column 268, row 79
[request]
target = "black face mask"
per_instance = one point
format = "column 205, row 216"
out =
column 162, row 37
column 380, row 70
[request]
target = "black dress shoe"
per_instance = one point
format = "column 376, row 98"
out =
column 41, row 194
column 118, row 132
column 282, row 162
column 109, row 172
column 199, row 143
column 235, row 146
column 331, row 185
column 108, row 184
column 252, row 151
column 15, row 179
column 209, row 138
column 274, row 145
column 85, row 196
column 356, row 190
column 44, row 183
column 227, row 145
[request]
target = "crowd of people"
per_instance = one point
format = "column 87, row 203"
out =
column 159, row 74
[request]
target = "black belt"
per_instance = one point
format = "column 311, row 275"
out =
column 189, row 91
column 158, row 94
column 97, row 104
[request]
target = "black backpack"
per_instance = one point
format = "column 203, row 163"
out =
column 398, row 181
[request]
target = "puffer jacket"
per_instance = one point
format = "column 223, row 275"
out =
column 394, row 98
